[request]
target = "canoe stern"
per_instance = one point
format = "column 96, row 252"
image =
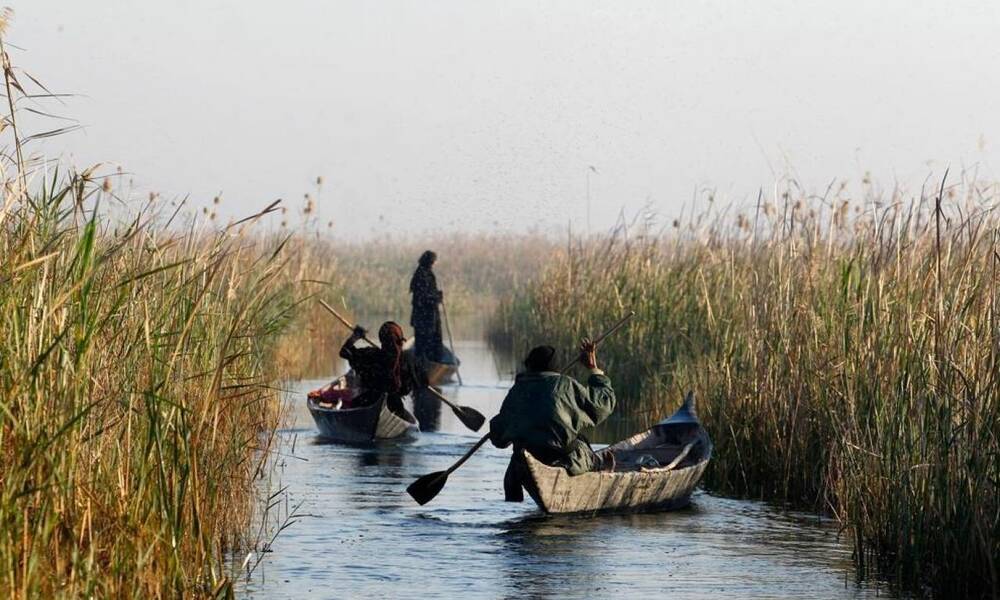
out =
column 556, row 491
column 360, row 425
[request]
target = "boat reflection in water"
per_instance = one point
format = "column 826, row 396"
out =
column 381, row 455
column 366, row 538
column 545, row 556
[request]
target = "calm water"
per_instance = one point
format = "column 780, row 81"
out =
column 359, row 535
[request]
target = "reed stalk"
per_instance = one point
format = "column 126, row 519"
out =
column 845, row 354
column 137, row 403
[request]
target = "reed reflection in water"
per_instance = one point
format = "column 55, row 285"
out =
column 364, row 537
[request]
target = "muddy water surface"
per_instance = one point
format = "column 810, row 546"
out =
column 358, row 535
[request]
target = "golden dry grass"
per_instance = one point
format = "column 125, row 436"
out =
column 845, row 354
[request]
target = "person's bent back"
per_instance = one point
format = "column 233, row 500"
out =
column 545, row 411
column 384, row 371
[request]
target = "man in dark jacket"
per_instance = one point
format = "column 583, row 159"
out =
column 426, row 318
column 545, row 411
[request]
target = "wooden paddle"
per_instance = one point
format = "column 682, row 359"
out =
column 424, row 490
column 470, row 417
column 451, row 341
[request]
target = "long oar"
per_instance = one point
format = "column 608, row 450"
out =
column 451, row 341
column 470, row 417
column 427, row 487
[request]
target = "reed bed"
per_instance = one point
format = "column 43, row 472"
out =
column 845, row 354
column 473, row 270
column 137, row 367
column 135, row 376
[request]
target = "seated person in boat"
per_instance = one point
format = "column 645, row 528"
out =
column 338, row 394
column 386, row 370
column 426, row 317
column 545, row 411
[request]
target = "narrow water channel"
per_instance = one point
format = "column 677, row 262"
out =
column 359, row 535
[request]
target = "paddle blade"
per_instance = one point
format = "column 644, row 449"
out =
column 424, row 489
column 470, row 417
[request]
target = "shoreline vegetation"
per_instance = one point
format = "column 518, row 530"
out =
column 140, row 368
column 844, row 353
column 365, row 279
column 136, row 373
column 137, row 370
column 844, row 357
column 479, row 268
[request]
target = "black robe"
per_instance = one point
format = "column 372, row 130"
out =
column 426, row 318
column 374, row 368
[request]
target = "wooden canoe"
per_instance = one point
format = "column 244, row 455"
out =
column 360, row 425
column 439, row 372
column 654, row 470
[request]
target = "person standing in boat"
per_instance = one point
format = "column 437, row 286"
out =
column 544, row 413
column 386, row 370
column 426, row 317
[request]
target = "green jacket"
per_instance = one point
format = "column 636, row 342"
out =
column 546, row 411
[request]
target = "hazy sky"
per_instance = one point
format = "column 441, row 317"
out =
column 486, row 115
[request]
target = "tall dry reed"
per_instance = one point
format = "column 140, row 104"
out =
column 473, row 270
column 136, row 369
column 135, row 372
column 845, row 354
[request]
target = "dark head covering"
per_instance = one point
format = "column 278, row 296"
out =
column 427, row 259
column 541, row 358
column 390, row 335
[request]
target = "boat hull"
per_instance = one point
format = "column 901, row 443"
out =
column 557, row 492
column 361, row 425
column 655, row 470
column 439, row 373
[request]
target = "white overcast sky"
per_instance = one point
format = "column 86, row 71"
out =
column 486, row 115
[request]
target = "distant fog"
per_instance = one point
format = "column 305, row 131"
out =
column 488, row 115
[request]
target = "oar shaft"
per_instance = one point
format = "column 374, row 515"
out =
column 468, row 454
column 340, row 318
column 441, row 396
column 451, row 341
column 621, row 322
